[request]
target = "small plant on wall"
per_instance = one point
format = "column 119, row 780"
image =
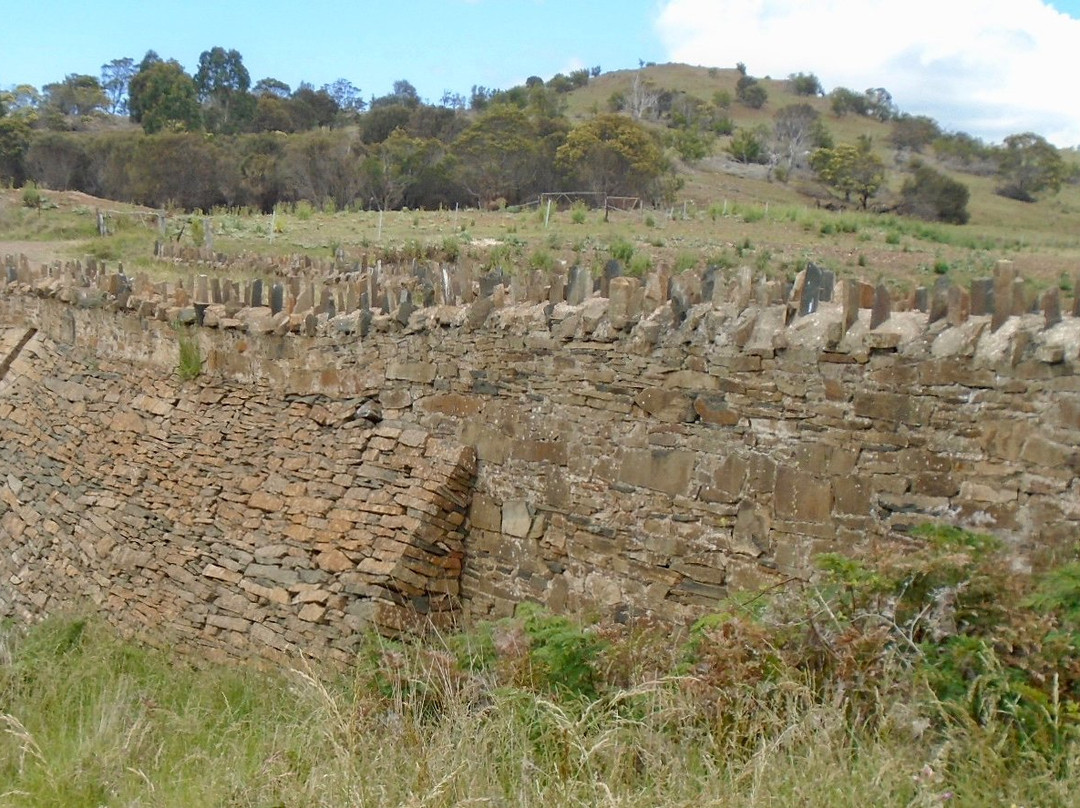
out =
column 189, row 365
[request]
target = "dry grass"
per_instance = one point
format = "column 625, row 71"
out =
column 87, row 719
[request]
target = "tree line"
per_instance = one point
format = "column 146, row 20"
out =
column 258, row 145
column 504, row 156
column 241, row 144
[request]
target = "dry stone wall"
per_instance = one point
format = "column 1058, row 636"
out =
column 391, row 447
column 220, row 516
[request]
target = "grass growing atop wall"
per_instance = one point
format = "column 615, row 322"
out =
column 933, row 676
column 189, row 364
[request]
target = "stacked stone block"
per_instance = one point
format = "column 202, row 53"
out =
column 646, row 452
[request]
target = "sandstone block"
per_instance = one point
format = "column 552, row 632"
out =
column 666, row 470
column 981, row 492
column 1066, row 413
column 516, row 518
column 893, row 407
column 238, row 624
column 667, row 405
column 691, row 380
column 334, row 561
column 281, row 575
column 485, row 513
column 455, row 404
column 715, row 410
column 1041, row 451
column 419, row 372
column 265, row 501
column 750, row 535
column 312, row 613
column 127, row 421
column 727, row 481
column 222, row 574
column 852, row 496
column 802, row 497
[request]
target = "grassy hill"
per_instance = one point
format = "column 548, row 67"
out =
column 725, row 213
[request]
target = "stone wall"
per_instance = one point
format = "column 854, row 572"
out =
column 623, row 446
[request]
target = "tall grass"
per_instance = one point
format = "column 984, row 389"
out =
column 87, row 719
column 933, row 674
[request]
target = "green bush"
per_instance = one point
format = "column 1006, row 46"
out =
column 639, row 265
column 751, row 92
column 723, row 125
column 578, row 212
column 304, row 210
column 198, row 232
column 748, row 146
column 561, row 652
column 451, row 248
column 692, row 144
column 541, row 259
column 32, row 196
column 931, row 195
column 685, row 261
column 622, row 250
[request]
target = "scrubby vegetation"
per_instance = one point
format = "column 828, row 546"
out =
column 923, row 675
column 646, row 133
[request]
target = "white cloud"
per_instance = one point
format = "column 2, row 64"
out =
column 987, row 67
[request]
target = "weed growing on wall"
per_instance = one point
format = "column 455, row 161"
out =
column 189, row 364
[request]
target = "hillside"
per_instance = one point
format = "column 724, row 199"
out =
column 719, row 211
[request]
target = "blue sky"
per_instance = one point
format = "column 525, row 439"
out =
column 976, row 67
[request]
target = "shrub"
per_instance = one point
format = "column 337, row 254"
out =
column 198, row 231
column 805, row 84
column 578, row 212
column 32, row 196
column 748, row 146
column 561, row 652
column 750, row 92
column 752, row 214
column 933, row 196
column 541, row 259
column 723, row 125
column 685, row 261
column 692, row 144
column 640, row 264
column 622, row 250
column 451, row 249
column 1027, row 165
